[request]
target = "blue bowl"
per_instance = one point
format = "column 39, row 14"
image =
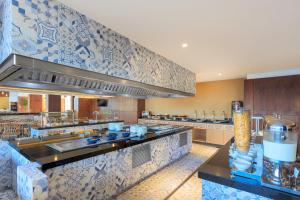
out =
column 112, row 136
column 92, row 140
column 125, row 134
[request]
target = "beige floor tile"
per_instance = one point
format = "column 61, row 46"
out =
column 163, row 183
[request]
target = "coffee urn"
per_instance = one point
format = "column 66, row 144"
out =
column 280, row 149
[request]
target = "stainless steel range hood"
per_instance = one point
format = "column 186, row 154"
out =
column 24, row 72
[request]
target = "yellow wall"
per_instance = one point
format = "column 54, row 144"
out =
column 215, row 95
column 4, row 103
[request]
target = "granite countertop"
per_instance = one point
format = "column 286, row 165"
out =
column 192, row 121
column 61, row 125
column 49, row 158
column 217, row 170
column 20, row 113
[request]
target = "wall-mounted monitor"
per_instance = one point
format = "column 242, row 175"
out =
column 102, row 102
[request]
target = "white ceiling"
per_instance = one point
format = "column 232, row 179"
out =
column 232, row 37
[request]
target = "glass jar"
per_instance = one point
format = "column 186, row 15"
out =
column 242, row 130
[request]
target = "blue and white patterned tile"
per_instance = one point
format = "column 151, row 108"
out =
column 107, row 175
column 32, row 183
column 211, row 190
column 8, row 195
column 51, row 31
column 35, row 31
column 17, row 160
column 5, row 28
column 5, row 166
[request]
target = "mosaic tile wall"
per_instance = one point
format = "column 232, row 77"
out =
column 5, row 166
column 212, row 191
column 32, row 183
column 17, row 160
column 51, row 31
column 107, row 175
column 5, row 29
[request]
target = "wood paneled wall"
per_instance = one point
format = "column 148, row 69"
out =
column 54, row 103
column 87, row 107
column 126, row 108
column 279, row 94
column 35, row 103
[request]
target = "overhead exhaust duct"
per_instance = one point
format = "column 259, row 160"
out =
column 24, row 72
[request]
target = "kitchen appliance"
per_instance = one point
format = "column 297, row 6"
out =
column 138, row 130
column 115, row 126
column 146, row 114
column 161, row 129
column 280, row 149
column 235, row 106
column 25, row 72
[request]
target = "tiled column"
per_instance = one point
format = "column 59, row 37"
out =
column 32, row 184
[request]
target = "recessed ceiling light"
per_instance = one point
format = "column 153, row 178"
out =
column 184, row 45
column 220, row 74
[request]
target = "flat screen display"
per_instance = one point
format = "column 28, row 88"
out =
column 102, row 102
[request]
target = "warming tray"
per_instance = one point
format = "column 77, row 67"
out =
column 82, row 143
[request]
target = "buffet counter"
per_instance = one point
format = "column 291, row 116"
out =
column 97, row 172
column 216, row 134
column 217, row 181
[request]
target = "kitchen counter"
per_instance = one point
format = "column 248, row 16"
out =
column 216, row 175
column 229, row 122
column 20, row 113
column 100, row 172
column 66, row 125
column 216, row 134
column 49, row 158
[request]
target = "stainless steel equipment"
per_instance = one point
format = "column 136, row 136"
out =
column 160, row 129
column 104, row 139
column 146, row 114
column 24, row 72
column 280, row 149
column 83, row 143
column 235, row 106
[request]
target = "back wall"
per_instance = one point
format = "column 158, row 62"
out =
column 214, row 95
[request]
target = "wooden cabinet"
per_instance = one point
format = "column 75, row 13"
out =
column 218, row 134
column 214, row 134
column 228, row 133
column 277, row 94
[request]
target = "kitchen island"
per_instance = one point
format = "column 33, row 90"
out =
column 98, row 172
column 218, row 183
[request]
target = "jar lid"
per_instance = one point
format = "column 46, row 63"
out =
column 275, row 124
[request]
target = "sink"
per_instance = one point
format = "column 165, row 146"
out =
column 221, row 121
column 213, row 121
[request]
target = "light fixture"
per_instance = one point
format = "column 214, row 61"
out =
column 184, row 45
column 220, row 74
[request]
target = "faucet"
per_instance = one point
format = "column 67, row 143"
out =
column 204, row 115
column 213, row 115
column 96, row 113
column 196, row 114
column 224, row 114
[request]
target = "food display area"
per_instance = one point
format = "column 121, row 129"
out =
column 254, row 167
column 215, row 133
column 97, row 165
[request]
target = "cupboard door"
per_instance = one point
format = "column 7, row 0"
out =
column 228, row 133
column 214, row 136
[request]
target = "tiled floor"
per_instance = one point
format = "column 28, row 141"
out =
column 166, row 181
column 191, row 190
